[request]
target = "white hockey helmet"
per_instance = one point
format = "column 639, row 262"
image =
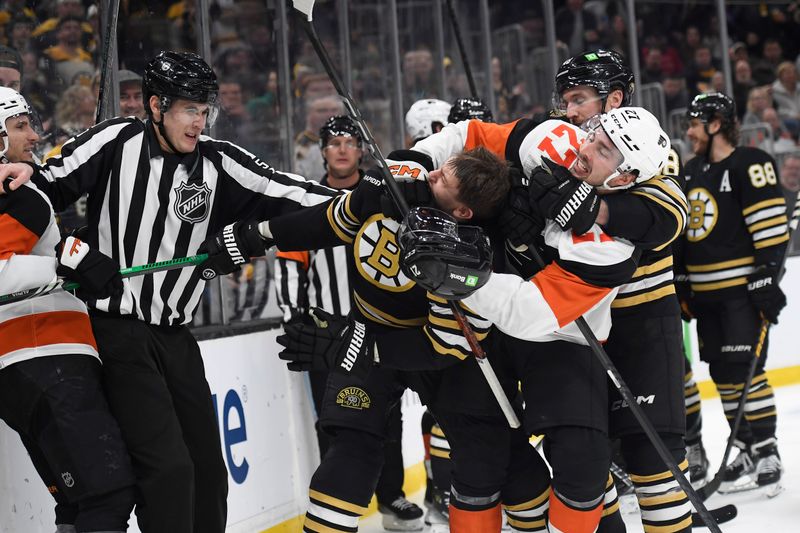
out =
column 12, row 104
column 638, row 136
column 423, row 114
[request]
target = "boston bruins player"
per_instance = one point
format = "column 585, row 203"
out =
column 734, row 244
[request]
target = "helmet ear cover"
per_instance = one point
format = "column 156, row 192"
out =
column 443, row 257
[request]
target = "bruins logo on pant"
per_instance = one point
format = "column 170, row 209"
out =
column 353, row 398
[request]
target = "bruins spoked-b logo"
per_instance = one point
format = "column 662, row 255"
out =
column 353, row 398
column 378, row 254
column 703, row 213
column 191, row 202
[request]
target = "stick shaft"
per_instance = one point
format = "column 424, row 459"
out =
column 461, row 48
column 108, row 37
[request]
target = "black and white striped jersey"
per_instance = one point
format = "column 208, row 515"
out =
column 313, row 279
column 145, row 205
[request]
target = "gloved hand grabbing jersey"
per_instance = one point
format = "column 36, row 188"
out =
column 571, row 203
column 230, row 248
column 764, row 292
column 520, row 222
column 328, row 342
column 97, row 274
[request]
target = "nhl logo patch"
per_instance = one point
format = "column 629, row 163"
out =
column 191, row 202
column 353, row 398
column 69, row 481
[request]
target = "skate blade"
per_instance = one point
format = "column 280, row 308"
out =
column 440, row 528
column 770, row 491
column 391, row 523
column 743, row 484
column 433, row 517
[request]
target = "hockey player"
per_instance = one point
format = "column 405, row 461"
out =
column 734, row 245
column 646, row 315
column 468, row 109
column 50, row 389
column 160, row 190
column 424, row 118
column 320, row 279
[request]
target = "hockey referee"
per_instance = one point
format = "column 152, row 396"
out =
column 160, row 190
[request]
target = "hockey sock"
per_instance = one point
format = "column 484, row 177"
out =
column 664, row 505
column 526, row 491
column 427, row 423
column 441, row 466
column 568, row 516
column 466, row 518
column 611, row 520
column 694, row 417
column 530, row 515
column 760, row 415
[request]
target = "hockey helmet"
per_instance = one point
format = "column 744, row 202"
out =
column 447, row 259
column 423, row 115
column 708, row 106
column 604, row 70
column 638, row 136
column 172, row 75
column 469, row 108
column 12, row 104
column 339, row 126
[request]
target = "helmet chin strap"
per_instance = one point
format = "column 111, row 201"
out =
column 163, row 132
column 710, row 141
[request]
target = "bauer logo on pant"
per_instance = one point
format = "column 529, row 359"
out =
column 353, row 398
column 191, row 202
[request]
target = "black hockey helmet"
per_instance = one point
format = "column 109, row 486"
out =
column 447, row 259
column 469, row 108
column 604, row 70
column 171, row 75
column 708, row 106
column 339, row 126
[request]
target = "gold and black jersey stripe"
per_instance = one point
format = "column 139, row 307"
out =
column 443, row 331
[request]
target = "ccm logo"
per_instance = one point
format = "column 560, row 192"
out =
column 404, row 171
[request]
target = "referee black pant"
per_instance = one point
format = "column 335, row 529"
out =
column 157, row 390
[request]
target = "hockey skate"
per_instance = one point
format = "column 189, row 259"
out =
column 698, row 464
column 401, row 515
column 768, row 467
column 438, row 515
column 739, row 474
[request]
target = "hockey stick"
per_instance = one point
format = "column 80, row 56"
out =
column 713, row 486
column 63, row 285
column 111, row 26
column 461, row 49
column 305, row 7
column 638, row 413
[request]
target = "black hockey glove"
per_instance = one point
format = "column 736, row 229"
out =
column 683, row 290
column 519, row 221
column 97, row 274
column 230, row 248
column 570, row 202
column 417, row 193
column 328, row 342
column 764, row 292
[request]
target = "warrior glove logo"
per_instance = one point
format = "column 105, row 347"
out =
column 580, row 194
column 191, row 202
column 229, row 240
column 356, row 343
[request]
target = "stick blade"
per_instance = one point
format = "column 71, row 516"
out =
column 305, row 7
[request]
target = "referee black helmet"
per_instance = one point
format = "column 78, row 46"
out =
column 172, row 75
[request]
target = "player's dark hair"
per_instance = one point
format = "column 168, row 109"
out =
column 483, row 181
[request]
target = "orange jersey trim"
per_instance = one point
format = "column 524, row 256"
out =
column 17, row 239
column 568, row 296
column 43, row 329
column 300, row 257
column 493, row 137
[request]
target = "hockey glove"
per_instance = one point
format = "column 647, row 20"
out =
column 684, row 292
column 230, row 248
column 570, row 202
column 97, row 274
column 764, row 292
column 519, row 221
column 417, row 193
column 330, row 342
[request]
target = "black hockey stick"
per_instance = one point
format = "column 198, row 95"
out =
column 713, row 486
column 723, row 514
column 305, row 7
column 638, row 413
column 140, row 270
column 111, row 28
column 461, row 49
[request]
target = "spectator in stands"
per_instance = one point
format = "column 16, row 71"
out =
column 742, row 84
column 758, row 100
column 307, row 154
column 652, row 71
column 236, row 62
column 46, row 34
column 782, row 141
column 19, row 32
column 739, row 52
column 577, row 27
column 764, row 69
column 36, row 89
column 130, row 95
column 10, row 68
column 718, row 82
column 700, row 71
column 691, row 42
column 418, row 76
column 789, row 177
column 75, row 110
column 675, row 94
column 233, row 116
column 67, row 57
column 786, row 94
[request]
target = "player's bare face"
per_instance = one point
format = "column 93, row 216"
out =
column 598, row 158
column 696, row 133
column 183, row 122
column 342, row 154
column 444, row 189
column 581, row 103
column 21, row 139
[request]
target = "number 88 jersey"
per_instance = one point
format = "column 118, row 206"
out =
column 737, row 220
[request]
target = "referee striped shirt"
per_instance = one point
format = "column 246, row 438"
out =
column 145, row 205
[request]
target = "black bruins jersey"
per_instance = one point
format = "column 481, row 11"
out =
column 661, row 202
column 737, row 220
